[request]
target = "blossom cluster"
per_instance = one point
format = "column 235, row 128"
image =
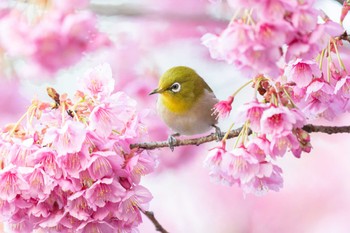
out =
column 249, row 164
column 298, row 66
column 69, row 168
column 270, row 34
column 50, row 39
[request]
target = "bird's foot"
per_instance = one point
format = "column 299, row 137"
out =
column 172, row 140
column 218, row 133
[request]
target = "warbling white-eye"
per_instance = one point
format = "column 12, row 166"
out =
column 185, row 103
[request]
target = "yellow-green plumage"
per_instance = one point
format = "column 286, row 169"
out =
column 189, row 110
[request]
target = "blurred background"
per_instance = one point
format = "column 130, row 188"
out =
column 148, row 38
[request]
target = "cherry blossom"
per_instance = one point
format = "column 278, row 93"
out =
column 223, row 108
column 302, row 72
column 64, row 174
column 59, row 39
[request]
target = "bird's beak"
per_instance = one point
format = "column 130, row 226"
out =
column 155, row 91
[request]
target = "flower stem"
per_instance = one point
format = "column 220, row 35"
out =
column 239, row 89
column 20, row 120
column 63, row 112
column 289, row 97
column 321, row 59
column 257, row 83
column 243, row 134
column 329, row 60
column 227, row 133
column 338, row 56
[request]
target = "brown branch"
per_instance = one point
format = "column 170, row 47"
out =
column 340, row 1
column 150, row 216
column 344, row 36
column 326, row 129
column 184, row 142
column 234, row 133
column 134, row 10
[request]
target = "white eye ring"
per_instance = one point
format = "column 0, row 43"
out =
column 176, row 87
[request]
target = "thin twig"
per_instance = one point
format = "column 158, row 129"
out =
column 234, row 133
column 345, row 37
column 152, row 218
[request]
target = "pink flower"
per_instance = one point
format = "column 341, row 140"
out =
column 276, row 120
column 259, row 147
column 299, row 116
column 260, row 59
column 214, row 157
column 12, row 183
column 104, row 164
column 14, row 33
column 41, row 184
column 233, row 40
column 320, row 100
column 20, row 226
column 302, row 72
column 344, row 11
column 48, row 159
column 250, row 171
column 266, row 32
column 307, row 46
column 104, row 191
column 304, row 19
column 96, row 226
column 223, row 108
column 74, row 162
column 68, row 139
column 135, row 198
column 268, row 178
column 78, row 206
column 98, row 82
column 67, row 224
column 113, row 114
column 253, row 112
column 52, row 222
column 240, row 165
column 213, row 161
column 20, row 153
column 139, row 165
column 60, row 40
column 303, row 138
column 342, row 87
column 280, row 143
column 7, row 209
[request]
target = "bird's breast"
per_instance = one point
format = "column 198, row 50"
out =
column 194, row 118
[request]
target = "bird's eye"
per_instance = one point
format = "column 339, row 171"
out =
column 176, row 87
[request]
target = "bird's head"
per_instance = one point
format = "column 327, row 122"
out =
column 180, row 87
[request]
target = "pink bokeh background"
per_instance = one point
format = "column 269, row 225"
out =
column 316, row 193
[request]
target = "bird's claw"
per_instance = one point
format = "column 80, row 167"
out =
column 218, row 133
column 172, row 141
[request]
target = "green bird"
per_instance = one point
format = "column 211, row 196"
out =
column 185, row 103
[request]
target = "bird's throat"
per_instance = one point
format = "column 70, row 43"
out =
column 175, row 105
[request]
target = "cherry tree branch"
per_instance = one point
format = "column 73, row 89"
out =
column 184, row 142
column 326, row 129
column 135, row 10
column 340, row 1
column 152, row 218
column 345, row 37
column 233, row 133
